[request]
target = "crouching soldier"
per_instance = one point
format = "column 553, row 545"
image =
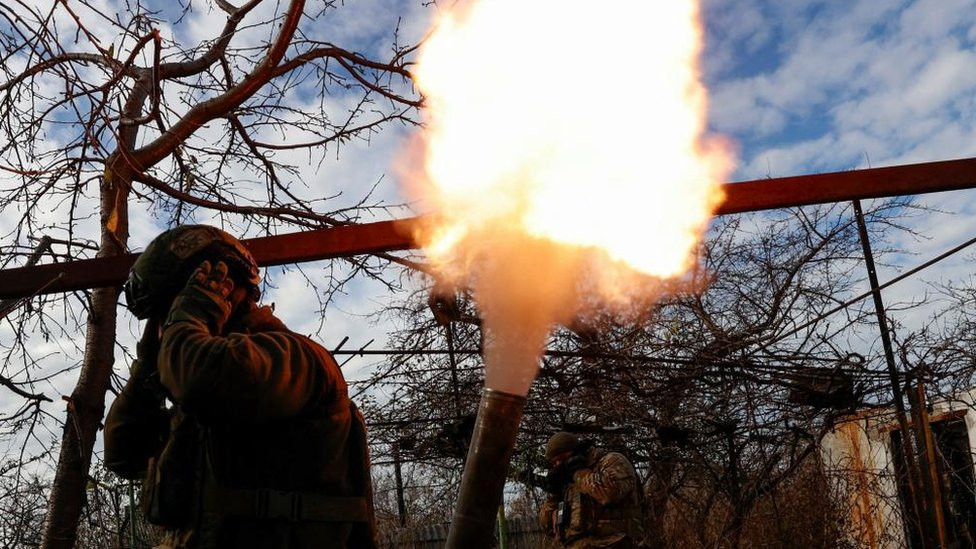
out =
column 242, row 430
column 593, row 498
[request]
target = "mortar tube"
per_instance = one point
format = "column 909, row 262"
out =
column 485, row 470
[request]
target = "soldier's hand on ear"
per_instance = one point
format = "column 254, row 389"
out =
column 213, row 279
column 573, row 464
column 556, row 480
column 204, row 299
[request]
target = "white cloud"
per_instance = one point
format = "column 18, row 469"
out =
column 782, row 161
column 742, row 30
column 878, row 71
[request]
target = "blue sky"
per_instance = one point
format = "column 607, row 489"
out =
column 801, row 86
column 808, row 86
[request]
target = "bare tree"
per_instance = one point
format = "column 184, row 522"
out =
column 101, row 109
column 21, row 508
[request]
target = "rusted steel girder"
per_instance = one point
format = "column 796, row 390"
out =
column 386, row 236
column 346, row 240
column 802, row 190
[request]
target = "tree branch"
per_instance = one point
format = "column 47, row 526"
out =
column 300, row 217
column 212, row 55
column 204, row 112
column 61, row 60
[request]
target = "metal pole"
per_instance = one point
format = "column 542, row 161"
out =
column 343, row 241
column 929, row 467
column 893, row 377
column 803, row 190
column 398, row 476
column 7, row 305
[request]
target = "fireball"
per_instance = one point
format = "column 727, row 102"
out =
column 564, row 155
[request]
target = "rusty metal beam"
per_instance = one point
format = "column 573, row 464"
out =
column 803, row 190
column 385, row 236
column 348, row 240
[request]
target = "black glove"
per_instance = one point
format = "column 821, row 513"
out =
column 204, row 299
column 573, row 464
column 556, row 480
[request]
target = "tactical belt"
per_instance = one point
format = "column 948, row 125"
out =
column 288, row 505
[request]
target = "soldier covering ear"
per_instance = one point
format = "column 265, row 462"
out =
column 261, row 446
column 593, row 499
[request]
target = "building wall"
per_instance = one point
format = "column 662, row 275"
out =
column 857, row 458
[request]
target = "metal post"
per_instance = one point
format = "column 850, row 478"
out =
column 929, row 468
column 398, row 476
column 7, row 305
column 386, row 236
column 893, row 377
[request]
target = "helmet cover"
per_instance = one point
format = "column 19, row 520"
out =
column 161, row 271
column 560, row 443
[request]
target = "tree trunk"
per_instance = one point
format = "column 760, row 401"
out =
column 733, row 530
column 86, row 405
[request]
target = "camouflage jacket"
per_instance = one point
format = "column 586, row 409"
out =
column 599, row 508
column 261, row 436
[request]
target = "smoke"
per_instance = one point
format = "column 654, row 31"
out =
column 525, row 286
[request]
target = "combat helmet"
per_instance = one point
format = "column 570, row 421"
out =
column 560, row 443
column 162, row 270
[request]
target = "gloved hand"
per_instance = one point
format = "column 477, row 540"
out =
column 204, row 299
column 573, row 464
column 562, row 474
column 556, row 480
column 213, row 280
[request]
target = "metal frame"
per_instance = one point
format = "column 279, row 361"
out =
column 386, row 236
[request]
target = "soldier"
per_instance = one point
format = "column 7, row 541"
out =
column 242, row 430
column 593, row 496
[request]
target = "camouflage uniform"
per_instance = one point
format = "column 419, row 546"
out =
column 262, row 447
column 599, row 508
